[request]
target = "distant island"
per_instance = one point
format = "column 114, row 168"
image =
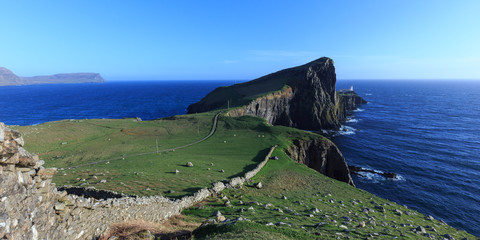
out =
column 8, row 78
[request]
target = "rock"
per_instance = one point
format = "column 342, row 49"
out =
column 398, row 212
column 251, row 208
column 429, row 218
column 448, row 236
column 258, row 185
column 284, row 197
column 380, row 208
column 146, row 234
column 420, row 229
column 222, row 170
column 217, row 213
column 361, row 224
column 103, row 181
column 189, row 164
column 221, row 218
column 228, row 204
column 176, row 171
column 46, row 173
column 343, row 226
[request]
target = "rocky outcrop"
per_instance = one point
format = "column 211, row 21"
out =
column 303, row 97
column 345, row 102
column 321, row 155
column 7, row 77
column 273, row 107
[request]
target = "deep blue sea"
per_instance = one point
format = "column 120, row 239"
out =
column 428, row 132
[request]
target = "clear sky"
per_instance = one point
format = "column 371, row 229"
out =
column 148, row 40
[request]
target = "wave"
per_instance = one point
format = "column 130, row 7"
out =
column 352, row 120
column 376, row 176
column 358, row 110
column 345, row 130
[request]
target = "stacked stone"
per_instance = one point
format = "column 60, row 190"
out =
column 27, row 195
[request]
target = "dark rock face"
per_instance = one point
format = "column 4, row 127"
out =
column 7, row 77
column 321, row 155
column 303, row 97
column 346, row 102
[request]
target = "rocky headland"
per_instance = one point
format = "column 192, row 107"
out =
column 302, row 97
column 7, row 78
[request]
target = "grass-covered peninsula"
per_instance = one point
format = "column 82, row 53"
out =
column 294, row 202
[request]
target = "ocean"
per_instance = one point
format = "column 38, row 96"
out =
column 427, row 132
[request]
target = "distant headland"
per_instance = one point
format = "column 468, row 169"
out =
column 8, row 78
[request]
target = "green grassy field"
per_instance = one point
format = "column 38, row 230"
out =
column 305, row 190
column 236, row 147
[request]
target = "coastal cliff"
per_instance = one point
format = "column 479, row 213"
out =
column 321, row 155
column 302, row 97
column 8, row 78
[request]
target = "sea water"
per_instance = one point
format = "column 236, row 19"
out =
column 427, row 132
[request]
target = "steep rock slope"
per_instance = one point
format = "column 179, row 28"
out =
column 303, row 97
column 321, row 155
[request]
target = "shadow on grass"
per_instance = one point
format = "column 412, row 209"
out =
column 257, row 159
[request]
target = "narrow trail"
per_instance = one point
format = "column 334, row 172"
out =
column 212, row 131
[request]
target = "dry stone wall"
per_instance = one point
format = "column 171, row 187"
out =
column 31, row 207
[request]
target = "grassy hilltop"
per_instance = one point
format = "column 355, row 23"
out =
column 295, row 201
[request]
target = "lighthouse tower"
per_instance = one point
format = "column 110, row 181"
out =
column 351, row 88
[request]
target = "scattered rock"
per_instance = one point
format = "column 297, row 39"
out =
column 103, row 181
column 221, row 218
column 447, row 236
column 420, row 229
column 176, row 171
column 361, row 224
column 284, row 197
column 379, row 208
column 398, row 212
column 217, row 213
column 189, row 164
column 429, row 218
column 222, row 170
column 258, row 185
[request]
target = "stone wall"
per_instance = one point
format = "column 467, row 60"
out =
column 32, row 208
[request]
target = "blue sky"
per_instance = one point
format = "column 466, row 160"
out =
column 149, row 40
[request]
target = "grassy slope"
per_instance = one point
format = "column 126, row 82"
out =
column 235, row 148
column 332, row 198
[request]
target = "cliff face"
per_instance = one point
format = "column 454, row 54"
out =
column 303, row 97
column 274, row 107
column 346, row 102
column 7, row 77
column 323, row 156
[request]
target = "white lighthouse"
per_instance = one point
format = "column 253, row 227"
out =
column 351, row 88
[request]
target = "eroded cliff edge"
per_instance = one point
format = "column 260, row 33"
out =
column 321, row 155
column 302, row 97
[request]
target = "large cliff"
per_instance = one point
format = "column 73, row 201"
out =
column 7, row 78
column 321, row 155
column 303, row 97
